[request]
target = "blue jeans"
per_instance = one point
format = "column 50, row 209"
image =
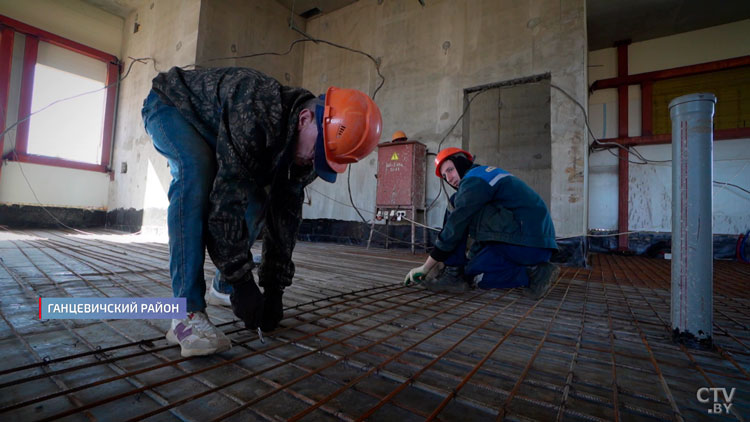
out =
column 192, row 164
column 502, row 265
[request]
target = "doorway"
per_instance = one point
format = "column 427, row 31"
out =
column 507, row 125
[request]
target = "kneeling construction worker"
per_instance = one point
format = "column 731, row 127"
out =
column 511, row 233
column 241, row 148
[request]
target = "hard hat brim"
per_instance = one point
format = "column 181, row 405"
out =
column 323, row 170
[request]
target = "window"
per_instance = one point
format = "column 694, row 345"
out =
column 69, row 88
column 731, row 87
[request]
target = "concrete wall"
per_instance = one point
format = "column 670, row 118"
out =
column 167, row 35
column 429, row 55
column 179, row 33
column 235, row 28
column 650, row 185
column 55, row 186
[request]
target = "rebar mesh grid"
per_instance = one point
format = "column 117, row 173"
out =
column 356, row 345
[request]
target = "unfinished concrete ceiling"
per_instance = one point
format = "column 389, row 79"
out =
column 121, row 8
column 639, row 20
column 310, row 8
column 303, row 8
column 608, row 21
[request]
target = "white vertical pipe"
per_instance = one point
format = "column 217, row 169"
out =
column 692, row 206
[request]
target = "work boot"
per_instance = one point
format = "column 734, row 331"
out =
column 451, row 280
column 541, row 277
column 197, row 336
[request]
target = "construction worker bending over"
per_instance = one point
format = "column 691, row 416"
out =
column 241, row 148
column 510, row 230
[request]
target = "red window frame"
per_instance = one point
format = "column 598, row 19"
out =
column 33, row 35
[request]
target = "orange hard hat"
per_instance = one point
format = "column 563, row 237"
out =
column 398, row 135
column 444, row 154
column 351, row 127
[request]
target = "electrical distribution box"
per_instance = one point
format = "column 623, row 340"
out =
column 401, row 186
column 401, row 175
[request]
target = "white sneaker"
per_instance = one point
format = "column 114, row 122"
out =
column 197, row 336
column 215, row 297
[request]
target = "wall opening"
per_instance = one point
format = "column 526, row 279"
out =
column 507, row 124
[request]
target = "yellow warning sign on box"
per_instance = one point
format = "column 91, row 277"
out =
column 394, row 157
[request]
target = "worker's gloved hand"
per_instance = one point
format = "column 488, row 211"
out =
column 247, row 303
column 273, row 309
column 415, row 276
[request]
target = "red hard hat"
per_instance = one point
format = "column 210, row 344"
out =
column 444, row 154
column 351, row 127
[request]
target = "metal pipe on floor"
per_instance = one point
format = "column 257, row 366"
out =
column 692, row 250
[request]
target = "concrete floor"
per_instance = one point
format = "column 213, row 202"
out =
column 357, row 345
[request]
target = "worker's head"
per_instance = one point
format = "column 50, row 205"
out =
column 347, row 128
column 307, row 133
column 452, row 164
column 398, row 136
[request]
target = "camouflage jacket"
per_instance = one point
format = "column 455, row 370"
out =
column 252, row 120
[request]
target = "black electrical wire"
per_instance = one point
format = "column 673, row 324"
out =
column 598, row 145
column 442, row 191
column 119, row 80
column 146, row 59
column 349, row 188
column 606, row 145
column 307, row 36
column 466, row 108
column 198, row 64
column 731, row 184
column 14, row 153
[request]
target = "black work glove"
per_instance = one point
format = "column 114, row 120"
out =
column 247, row 303
column 273, row 309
